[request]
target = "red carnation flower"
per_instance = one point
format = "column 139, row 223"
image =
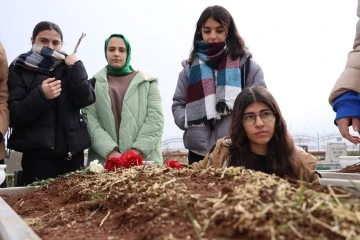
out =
column 173, row 164
column 127, row 160
column 131, row 159
column 112, row 163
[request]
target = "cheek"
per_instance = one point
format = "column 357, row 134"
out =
column 204, row 37
column 108, row 55
column 247, row 130
column 124, row 55
column 271, row 129
column 223, row 37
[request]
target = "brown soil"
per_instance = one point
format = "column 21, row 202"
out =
column 161, row 203
column 355, row 168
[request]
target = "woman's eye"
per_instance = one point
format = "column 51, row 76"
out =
column 249, row 117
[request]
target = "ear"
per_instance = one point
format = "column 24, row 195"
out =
column 32, row 41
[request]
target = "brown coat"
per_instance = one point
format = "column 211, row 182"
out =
column 350, row 77
column 220, row 156
column 4, row 94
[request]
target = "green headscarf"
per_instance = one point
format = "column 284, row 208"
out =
column 126, row 68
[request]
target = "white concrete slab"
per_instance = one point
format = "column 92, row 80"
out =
column 17, row 190
column 12, row 227
column 337, row 175
column 340, row 182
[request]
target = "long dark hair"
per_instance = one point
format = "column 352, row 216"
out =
column 281, row 148
column 235, row 44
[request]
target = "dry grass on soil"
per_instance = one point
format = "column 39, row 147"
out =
column 161, row 203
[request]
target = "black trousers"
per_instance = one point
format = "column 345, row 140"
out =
column 193, row 157
column 36, row 168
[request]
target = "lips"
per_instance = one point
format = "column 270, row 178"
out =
column 261, row 133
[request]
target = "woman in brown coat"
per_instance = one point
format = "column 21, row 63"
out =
column 259, row 140
column 4, row 94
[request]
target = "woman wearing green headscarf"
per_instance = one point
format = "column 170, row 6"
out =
column 127, row 113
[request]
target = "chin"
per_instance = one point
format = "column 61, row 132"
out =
column 261, row 141
column 117, row 66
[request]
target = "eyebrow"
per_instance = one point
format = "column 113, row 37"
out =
column 116, row 47
column 215, row 27
column 44, row 38
column 259, row 112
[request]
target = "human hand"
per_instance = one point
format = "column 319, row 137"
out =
column 136, row 151
column 51, row 88
column 71, row 59
column 114, row 154
column 343, row 125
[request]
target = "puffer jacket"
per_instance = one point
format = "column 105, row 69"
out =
column 49, row 127
column 202, row 138
column 4, row 94
column 350, row 77
column 219, row 157
column 142, row 119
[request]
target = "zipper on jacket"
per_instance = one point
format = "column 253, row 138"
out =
column 69, row 154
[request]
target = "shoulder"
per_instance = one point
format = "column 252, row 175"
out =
column 225, row 141
column 306, row 158
column 15, row 70
column 221, row 143
column 299, row 149
column 101, row 75
column 185, row 63
column 254, row 65
column 3, row 58
column 146, row 75
column 186, row 67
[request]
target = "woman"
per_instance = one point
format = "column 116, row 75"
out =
column 127, row 114
column 219, row 66
column 47, row 89
column 259, row 140
column 4, row 112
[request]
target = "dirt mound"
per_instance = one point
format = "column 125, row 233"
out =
column 355, row 168
column 161, row 203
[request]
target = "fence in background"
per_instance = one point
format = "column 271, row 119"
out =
column 313, row 143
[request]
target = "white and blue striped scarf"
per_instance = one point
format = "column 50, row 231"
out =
column 40, row 58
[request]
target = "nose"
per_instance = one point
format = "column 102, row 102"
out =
column 50, row 45
column 213, row 35
column 258, row 121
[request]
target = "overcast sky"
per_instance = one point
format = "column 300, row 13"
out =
column 301, row 45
